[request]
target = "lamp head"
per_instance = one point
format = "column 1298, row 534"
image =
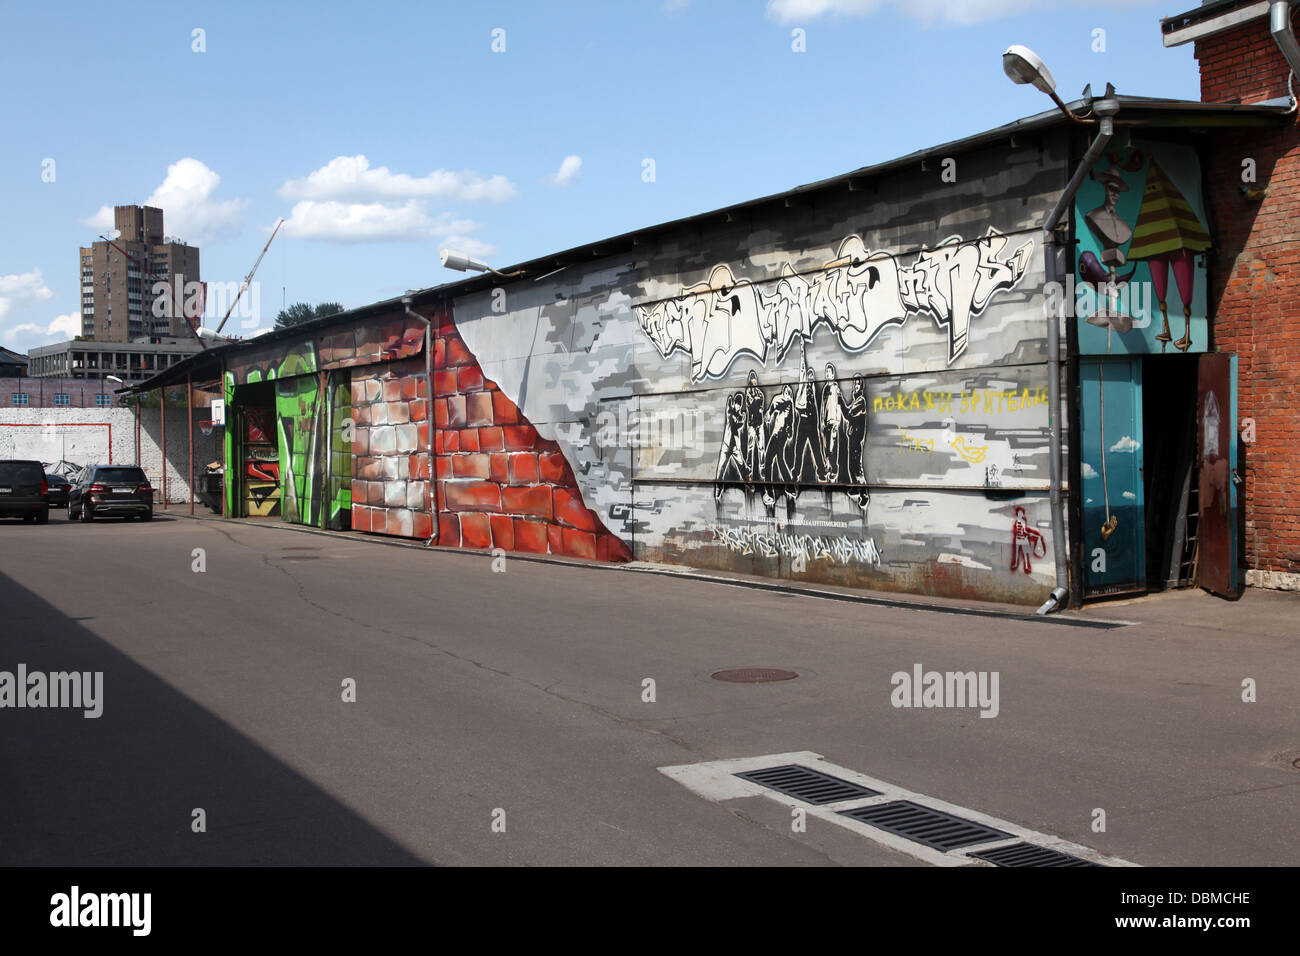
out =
column 462, row 263
column 1023, row 65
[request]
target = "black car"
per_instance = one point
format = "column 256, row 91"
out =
column 59, row 488
column 23, row 490
column 102, row 490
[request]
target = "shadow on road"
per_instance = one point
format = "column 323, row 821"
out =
column 121, row 789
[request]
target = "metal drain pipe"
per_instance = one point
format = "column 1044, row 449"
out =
column 1279, row 24
column 428, row 379
column 1105, row 109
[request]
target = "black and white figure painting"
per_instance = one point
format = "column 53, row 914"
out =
column 810, row 433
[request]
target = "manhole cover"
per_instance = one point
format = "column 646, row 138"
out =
column 753, row 675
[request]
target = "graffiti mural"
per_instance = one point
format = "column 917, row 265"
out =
column 857, row 295
column 830, row 389
column 809, row 434
column 307, row 431
column 1140, row 220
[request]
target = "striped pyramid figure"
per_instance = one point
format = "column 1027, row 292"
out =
column 1168, row 235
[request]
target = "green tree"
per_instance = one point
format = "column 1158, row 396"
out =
column 301, row 312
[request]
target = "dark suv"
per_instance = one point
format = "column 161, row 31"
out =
column 110, row 490
column 23, row 490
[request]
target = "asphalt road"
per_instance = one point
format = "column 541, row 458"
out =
column 521, row 691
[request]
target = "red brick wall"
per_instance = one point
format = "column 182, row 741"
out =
column 1255, row 285
column 1243, row 64
column 500, row 485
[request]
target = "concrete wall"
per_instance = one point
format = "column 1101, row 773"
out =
column 95, row 435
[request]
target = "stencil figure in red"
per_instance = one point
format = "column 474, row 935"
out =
column 1025, row 542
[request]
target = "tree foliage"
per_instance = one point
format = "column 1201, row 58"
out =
column 301, row 312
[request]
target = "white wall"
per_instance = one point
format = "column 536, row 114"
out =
column 82, row 435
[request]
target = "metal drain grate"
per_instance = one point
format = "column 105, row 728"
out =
column 1026, row 854
column 810, row 786
column 942, row 831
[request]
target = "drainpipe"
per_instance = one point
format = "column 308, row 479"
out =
column 1279, row 24
column 1105, row 109
column 428, row 378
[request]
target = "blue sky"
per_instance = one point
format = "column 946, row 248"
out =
column 384, row 134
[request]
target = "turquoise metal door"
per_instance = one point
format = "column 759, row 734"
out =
column 1114, row 506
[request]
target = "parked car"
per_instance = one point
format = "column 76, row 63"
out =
column 59, row 488
column 23, row 490
column 102, row 490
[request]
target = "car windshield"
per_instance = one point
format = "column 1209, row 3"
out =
column 20, row 471
column 120, row 475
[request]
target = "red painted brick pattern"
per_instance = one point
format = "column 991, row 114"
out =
column 505, row 485
column 1255, row 283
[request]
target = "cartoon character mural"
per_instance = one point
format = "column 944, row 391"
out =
column 1141, row 209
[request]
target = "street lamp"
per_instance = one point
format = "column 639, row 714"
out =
column 1023, row 66
column 463, row 263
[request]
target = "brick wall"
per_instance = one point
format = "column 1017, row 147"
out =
column 1255, row 291
column 500, row 484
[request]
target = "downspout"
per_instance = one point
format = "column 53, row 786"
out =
column 428, row 379
column 1279, row 24
column 1105, row 110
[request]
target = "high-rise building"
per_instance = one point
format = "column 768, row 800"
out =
column 117, row 291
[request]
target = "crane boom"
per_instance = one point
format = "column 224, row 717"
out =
column 249, row 278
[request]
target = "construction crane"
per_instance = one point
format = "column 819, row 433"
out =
column 249, row 278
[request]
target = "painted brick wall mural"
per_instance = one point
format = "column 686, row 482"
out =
column 500, row 484
column 390, row 477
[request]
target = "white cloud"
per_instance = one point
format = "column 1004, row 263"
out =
column 350, row 179
column 568, row 171
column 1088, row 471
column 189, row 209
column 62, row 328
column 372, row 222
column 948, row 12
column 22, row 289
column 1130, row 496
column 1125, row 446
column 347, row 201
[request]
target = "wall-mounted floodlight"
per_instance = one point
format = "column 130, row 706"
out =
column 208, row 335
column 463, row 263
column 1023, row 66
column 114, row 378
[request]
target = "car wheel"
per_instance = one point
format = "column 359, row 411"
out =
column 85, row 514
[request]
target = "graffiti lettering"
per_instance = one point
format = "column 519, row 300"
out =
column 857, row 295
column 839, row 549
column 913, row 443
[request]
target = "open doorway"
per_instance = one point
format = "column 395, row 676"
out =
column 257, row 455
column 1169, row 414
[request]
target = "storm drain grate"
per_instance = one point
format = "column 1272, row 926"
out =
column 810, row 786
column 932, row 828
column 1026, row 854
